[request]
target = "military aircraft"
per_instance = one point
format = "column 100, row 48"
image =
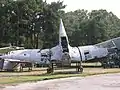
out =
column 61, row 55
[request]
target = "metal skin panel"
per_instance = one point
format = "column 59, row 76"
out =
column 7, row 65
column 1, row 63
column 74, row 54
column 85, row 53
column 56, row 53
column 94, row 52
column 62, row 32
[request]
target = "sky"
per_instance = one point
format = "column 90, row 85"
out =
column 109, row 5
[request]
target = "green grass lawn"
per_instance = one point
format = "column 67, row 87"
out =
column 38, row 76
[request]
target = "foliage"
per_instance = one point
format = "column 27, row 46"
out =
column 96, row 26
column 35, row 24
column 29, row 22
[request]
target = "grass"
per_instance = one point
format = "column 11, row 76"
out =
column 92, row 64
column 13, row 79
column 6, row 50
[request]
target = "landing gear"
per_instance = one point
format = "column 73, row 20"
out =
column 54, row 64
column 50, row 68
column 79, row 67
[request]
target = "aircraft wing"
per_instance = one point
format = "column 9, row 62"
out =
column 12, row 60
column 112, row 43
column 16, row 61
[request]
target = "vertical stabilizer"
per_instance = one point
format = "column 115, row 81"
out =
column 63, row 39
column 62, row 32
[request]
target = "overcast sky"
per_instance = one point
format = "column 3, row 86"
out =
column 109, row 5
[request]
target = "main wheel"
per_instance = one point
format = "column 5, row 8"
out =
column 81, row 70
column 50, row 70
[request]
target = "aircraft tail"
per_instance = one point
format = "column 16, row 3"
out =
column 63, row 39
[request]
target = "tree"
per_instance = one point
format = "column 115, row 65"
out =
column 85, row 28
column 75, row 23
column 51, row 23
column 29, row 22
